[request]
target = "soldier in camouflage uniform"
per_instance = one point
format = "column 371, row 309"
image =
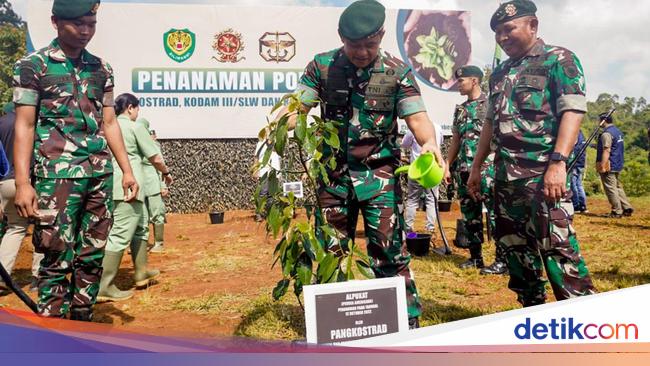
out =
column 65, row 117
column 367, row 90
column 537, row 102
column 466, row 128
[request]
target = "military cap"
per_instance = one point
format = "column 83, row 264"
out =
column 362, row 19
column 71, row 9
column 512, row 10
column 469, row 70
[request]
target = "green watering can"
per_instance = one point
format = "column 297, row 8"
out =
column 424, row 170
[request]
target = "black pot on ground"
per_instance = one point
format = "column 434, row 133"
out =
column 418, row 243
column 216, row 217
column 444, row 205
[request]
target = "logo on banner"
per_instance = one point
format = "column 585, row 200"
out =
column 228, row 45
column 277, row 46
column 179, row 44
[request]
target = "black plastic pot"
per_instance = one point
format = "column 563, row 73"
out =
column 444, row 205
column 216, row 217
column 418, row 244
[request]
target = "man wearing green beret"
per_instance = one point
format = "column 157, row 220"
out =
column 366, row 90
column 537, row 102
column 65, row 119
column 469, row 119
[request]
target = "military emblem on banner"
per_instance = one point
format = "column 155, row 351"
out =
column 277, row 46
column 228, row 45
column 179, row 44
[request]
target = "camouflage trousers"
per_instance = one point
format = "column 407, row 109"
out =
column 538, row 235
column 383, row 221
column 73, row 242
column 472, row 211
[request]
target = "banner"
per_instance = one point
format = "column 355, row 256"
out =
column 209, row 71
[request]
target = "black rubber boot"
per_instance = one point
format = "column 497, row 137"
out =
column 81, row 314
column 476, row 258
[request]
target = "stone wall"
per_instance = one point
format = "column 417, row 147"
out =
column 212, row 174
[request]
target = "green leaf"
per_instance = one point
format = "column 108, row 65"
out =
column 327, row 267
column 422, row 58
column 304, row 274
column 262, row 134
column 281, row 139
column 309, row 246
column 297, row 287
column 333, row 140
column 274, row 220
column 365, row 269
column 301, row 127
column 441, row 41
column 421, row 39
column 280, row 289
column 280, row 103
column 329, row 231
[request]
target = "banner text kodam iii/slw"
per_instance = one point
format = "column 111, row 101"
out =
column 208, row 71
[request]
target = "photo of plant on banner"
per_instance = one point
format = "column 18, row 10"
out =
column 435, row 43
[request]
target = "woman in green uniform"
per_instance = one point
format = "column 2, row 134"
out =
column 129, row 218
column 155, row 189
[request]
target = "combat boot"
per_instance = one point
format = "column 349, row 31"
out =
column 476, row 258
column 84, row 314
column 142, row 275
column 107, row 289
column 499, row 266
column 414, row 323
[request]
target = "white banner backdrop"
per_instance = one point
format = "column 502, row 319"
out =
column 208, row 71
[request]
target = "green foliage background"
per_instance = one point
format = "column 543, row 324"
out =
column 632, row 117
column 12, row 47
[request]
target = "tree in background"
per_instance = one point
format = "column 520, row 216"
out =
column 12, row 47
column 8, row 16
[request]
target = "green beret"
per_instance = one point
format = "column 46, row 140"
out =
column 9, row 107
column 512, row 10
column 469, row 70
column 71, row 9
column 362, row 19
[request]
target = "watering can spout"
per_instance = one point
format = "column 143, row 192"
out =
column 402, row 169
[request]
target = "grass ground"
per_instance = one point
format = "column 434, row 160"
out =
column 217, row 279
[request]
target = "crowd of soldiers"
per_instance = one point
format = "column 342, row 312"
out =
column 509, row 153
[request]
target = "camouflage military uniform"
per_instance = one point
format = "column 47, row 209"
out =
column 72, row 171
column 468, row 123
column 527, row 99
column 368, row 102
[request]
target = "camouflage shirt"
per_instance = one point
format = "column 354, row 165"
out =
column 527, row 99
column 378, row 95
column 468, row 123
column 69, row 141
